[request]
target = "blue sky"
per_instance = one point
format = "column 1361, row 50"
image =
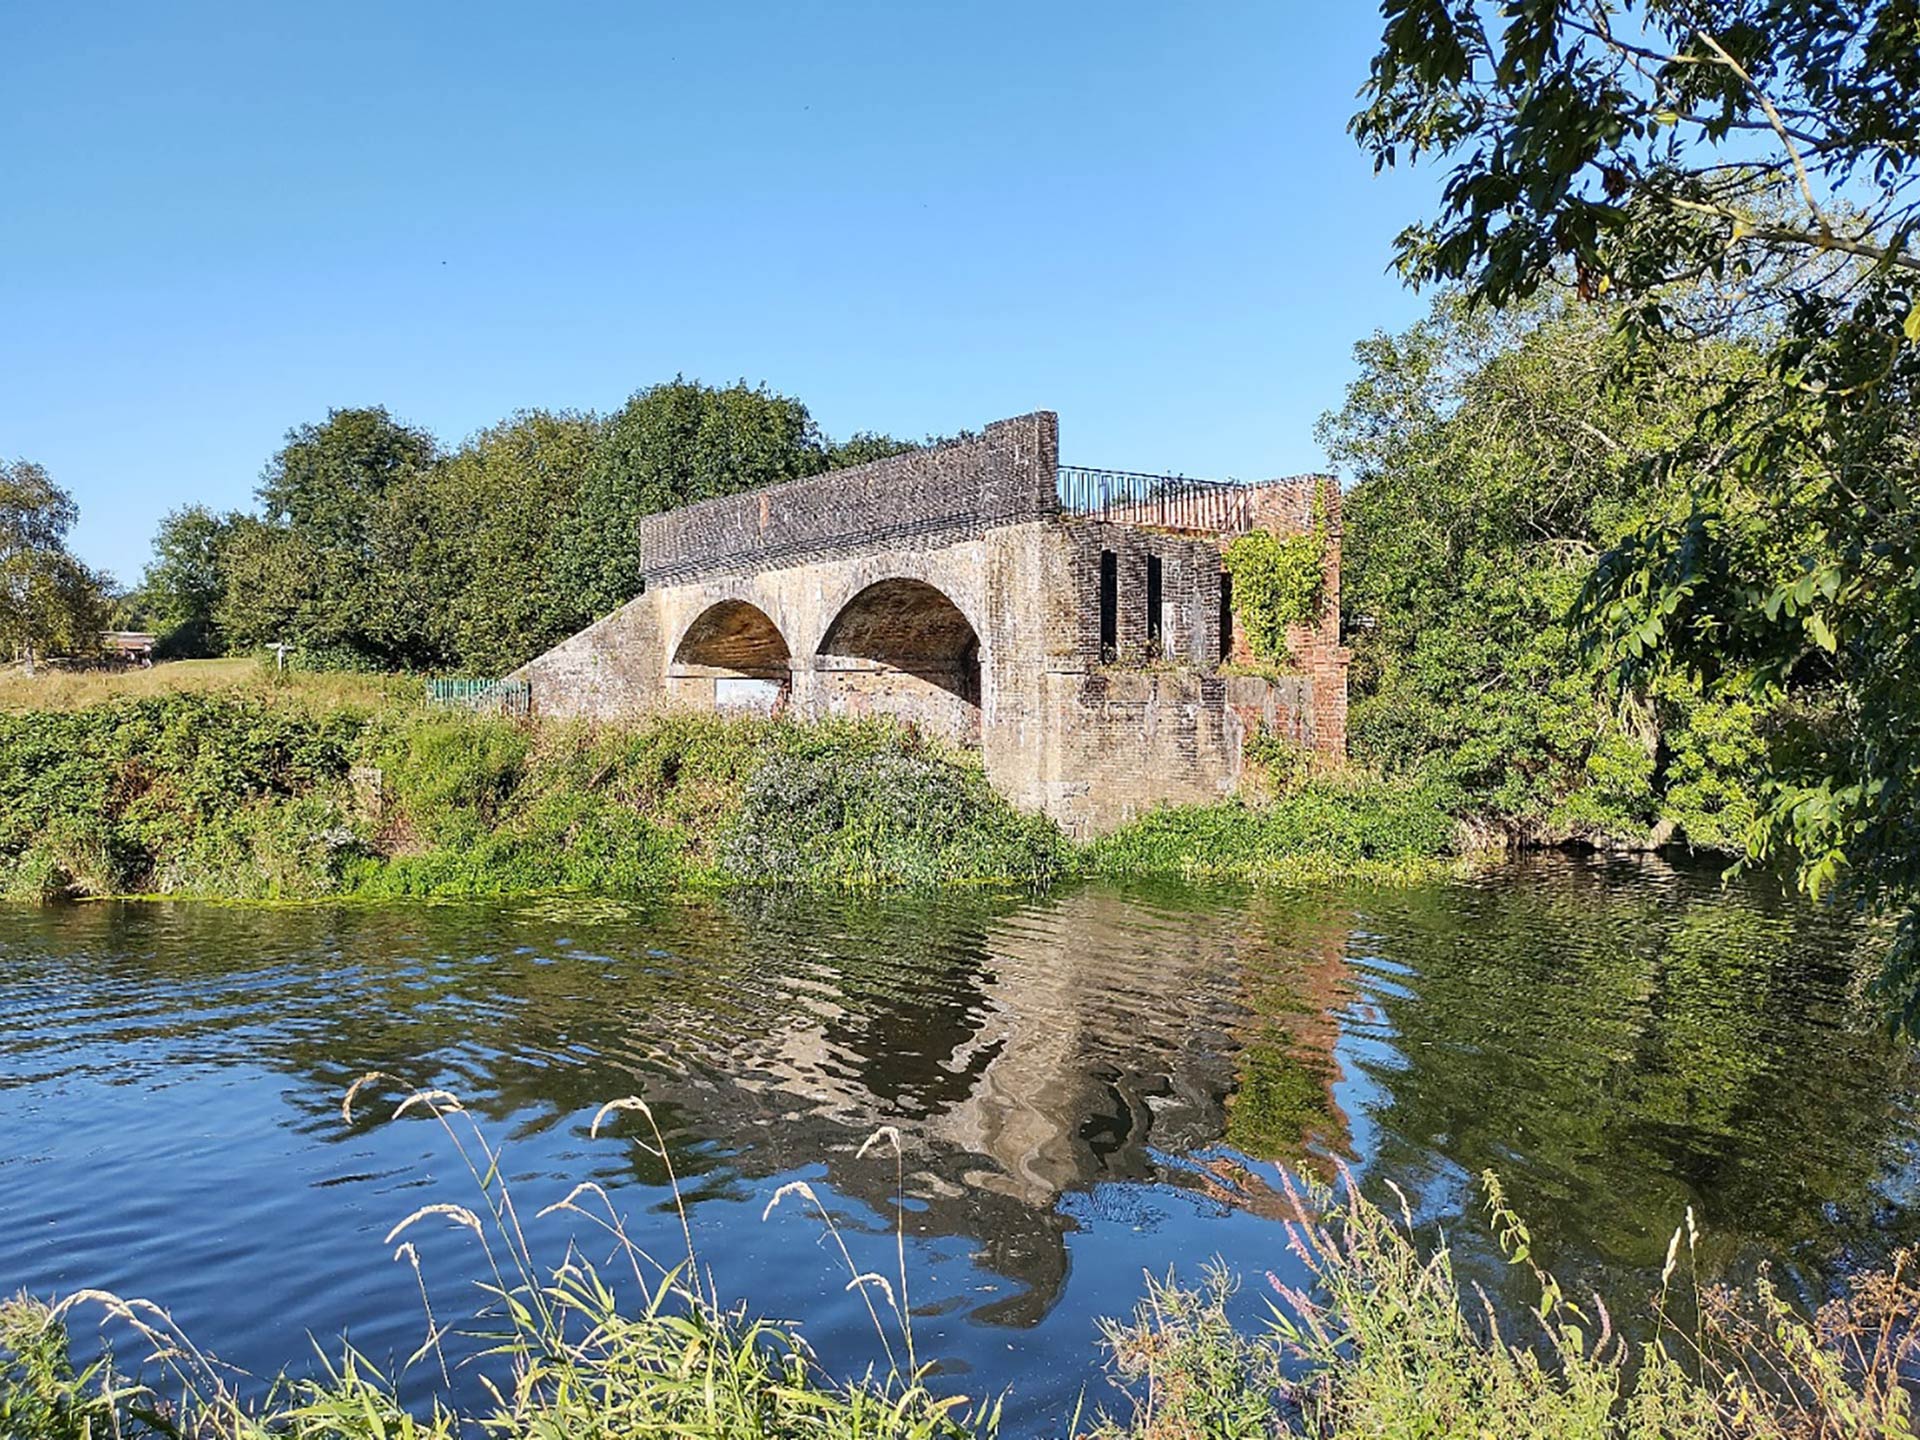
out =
column 221, row 220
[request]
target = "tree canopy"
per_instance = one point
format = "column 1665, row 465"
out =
column 1494, row 462
column 1729, row 168
column 49, row 600
column 182, row 585
column 375, row 548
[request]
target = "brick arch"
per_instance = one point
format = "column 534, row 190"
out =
column 901, row 646
column 846, row 586
column 736, row 636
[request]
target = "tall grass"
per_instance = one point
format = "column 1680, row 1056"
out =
column 53, row 688
column 561, row 1356
column 1380, row 1341
column 1327, row 826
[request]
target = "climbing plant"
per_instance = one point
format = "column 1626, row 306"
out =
column 1278, row 582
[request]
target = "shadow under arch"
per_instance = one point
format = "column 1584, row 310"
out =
column 901, row 647
column 734, row 649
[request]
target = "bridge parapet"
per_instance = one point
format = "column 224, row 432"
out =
column 1005, row 475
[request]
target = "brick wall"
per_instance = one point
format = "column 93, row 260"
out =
column 1314, row 651
column 1003, row 476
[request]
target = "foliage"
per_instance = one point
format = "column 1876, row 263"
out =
column 477, row 541
column 182, row 586
column 311, row 570
column 375, row 550
column 1649, row 142
column 1277, row 583
column 888, row 816
column 49, row 601
column 1494, row 461
column 117, row 797
column 251, row 796
column 1282, row 764
column 1769, row 148
column 1331, row 825
column 674, row 444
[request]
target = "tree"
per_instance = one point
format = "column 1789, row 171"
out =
column 1770, row 151
column 476, row 540
column 314, row 577
column 183, row 586
column 673, row 444
column 1494, row 462
column 49, row 601
column 373, row 549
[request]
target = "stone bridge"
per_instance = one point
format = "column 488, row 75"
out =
column 1079, row 645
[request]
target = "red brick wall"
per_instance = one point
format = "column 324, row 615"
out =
column 1286, row 508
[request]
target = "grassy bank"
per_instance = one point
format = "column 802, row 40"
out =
column 53, row 687
column 304, row 788
column 1380, row 1340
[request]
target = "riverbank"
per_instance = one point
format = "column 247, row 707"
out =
column 288, row 793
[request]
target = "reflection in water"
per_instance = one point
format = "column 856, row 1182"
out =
column 1082, row 1079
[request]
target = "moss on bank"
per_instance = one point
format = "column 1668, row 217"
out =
column 270, row 795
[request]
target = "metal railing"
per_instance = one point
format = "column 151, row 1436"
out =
column 508, row 697
column 1167, row 502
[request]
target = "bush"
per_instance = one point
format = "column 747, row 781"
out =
column 1330, row 825
column 269, row 798
column 278, row 797
column 100, row 800
column 884, row 816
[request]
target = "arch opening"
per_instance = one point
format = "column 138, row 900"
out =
column 734, row 657
column 901, row 647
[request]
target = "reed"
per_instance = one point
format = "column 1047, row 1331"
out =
column 1380, row 1340
column 564, row 1350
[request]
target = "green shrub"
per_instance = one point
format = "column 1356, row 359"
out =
column 97, row 800
column 884, row 816
column 1330, row 825
column 215, row 794
column 453, row 775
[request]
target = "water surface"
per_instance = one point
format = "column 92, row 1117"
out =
column 1090, row 1084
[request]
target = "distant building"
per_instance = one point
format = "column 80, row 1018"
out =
column 1071, row 623
column 127, row 647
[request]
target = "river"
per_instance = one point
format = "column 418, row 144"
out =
column 1090, row 1084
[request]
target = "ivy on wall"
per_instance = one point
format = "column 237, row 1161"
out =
column 1278, row 582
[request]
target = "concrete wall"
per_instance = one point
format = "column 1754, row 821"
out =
column 979, row 620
